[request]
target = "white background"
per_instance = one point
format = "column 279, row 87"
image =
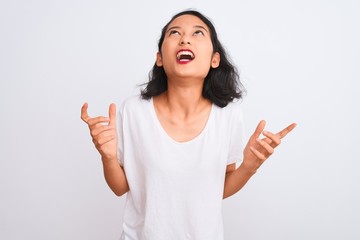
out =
column 299, row 61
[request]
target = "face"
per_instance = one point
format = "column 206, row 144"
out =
column 187, row 50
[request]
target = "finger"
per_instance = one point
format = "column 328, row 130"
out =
column 103, row 129
column 84, row 115
column 103, row 135
column 260, row 127
column 267, row 140
column 286, row 130
column 269, row 149
column 103, row 140
column 275, row 138
column 92, row 122
column 112, row 114
column 258, row 154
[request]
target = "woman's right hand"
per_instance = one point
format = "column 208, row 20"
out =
column 103, row 132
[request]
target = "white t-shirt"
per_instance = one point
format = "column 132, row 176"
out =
column 176, row 189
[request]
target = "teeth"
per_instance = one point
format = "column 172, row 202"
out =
column 182, row 53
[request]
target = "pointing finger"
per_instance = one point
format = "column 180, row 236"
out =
column 84, row 115
column 112, row 114
column 286, row 130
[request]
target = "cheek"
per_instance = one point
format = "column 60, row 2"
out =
column 207, row 56
column 166, row 51
column 207, row 50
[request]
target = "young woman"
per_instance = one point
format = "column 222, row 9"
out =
column 173, row 149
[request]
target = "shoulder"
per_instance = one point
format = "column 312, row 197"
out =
column 133, row 103
column 229, row 117
column 232, row 109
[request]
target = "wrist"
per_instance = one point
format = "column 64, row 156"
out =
column 248, row 168
column 108, row 159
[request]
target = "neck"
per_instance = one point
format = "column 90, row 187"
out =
column 185, row 98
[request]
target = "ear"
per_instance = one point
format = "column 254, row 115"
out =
column 159, row 62
column 215, row 61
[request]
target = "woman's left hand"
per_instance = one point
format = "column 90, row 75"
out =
column 258, row 150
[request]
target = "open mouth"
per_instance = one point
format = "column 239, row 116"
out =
column 185, row 56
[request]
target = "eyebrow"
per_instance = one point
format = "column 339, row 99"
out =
column 196, row 26
column 202, row 27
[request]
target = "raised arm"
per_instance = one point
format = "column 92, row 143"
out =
column 104, row 136
column 255, row 153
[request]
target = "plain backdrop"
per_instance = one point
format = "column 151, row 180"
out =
column 299, row 61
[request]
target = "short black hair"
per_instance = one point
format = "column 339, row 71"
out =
column 222, row 84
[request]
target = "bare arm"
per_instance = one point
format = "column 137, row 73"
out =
column 255, row 153
column 115, row 176
column 104, row 136
column 236, row 179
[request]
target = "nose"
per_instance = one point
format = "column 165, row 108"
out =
column 184, row 42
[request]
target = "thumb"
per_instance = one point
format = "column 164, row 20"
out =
column 112, row 114
column 259, row 129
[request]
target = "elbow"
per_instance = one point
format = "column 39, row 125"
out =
column 119, row 194
column 121, row 191
column 227, row 194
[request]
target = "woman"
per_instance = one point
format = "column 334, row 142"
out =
column 178, row 142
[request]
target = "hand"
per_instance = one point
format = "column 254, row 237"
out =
column 103, row 132
column 258, row 150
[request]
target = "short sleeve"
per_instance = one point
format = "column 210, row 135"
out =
column 237, row 134
column 120, row 133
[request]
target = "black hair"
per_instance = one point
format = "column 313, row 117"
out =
column 222, row 84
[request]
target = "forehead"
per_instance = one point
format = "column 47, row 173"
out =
column 187, row 21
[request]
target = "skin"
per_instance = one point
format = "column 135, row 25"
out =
column 182, row 110
column 104, row 136
column 256, row 152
